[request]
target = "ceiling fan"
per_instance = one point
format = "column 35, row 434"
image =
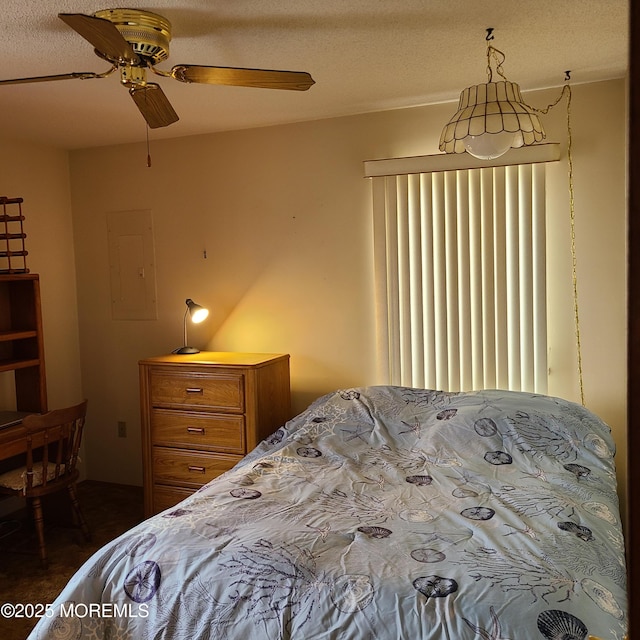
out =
column 134, row 41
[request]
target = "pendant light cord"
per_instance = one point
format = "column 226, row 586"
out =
column 566, row 90
column 574, row 262
column 498, row 58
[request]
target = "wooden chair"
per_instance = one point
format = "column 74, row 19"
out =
column 53, row 441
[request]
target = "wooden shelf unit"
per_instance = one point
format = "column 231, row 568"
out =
column 21, row 341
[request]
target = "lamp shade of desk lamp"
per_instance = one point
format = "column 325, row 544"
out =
column 197, row 314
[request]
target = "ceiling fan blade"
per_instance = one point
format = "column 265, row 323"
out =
column 61, row 76
column 153, row 105
column 239, row 77
column 102, row 34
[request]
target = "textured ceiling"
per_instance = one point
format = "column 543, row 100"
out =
column 364, row 56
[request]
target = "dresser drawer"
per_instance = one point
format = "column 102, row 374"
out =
column 195, row 390
column 165, row 497
column 204, row 431
column 189, row 469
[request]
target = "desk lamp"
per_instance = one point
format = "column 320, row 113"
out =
column 197, row 314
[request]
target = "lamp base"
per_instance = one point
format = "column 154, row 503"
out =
column 183, row 350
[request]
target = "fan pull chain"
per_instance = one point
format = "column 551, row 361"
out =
column 148, row 149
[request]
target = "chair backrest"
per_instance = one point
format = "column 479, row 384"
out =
column 53, row 442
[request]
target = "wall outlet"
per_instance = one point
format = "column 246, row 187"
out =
column 122, row 429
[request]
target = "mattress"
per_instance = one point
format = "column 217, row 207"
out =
column 379, row 513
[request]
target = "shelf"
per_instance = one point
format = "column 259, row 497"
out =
column 13, row 365
column 25, row 334
column 7, row 278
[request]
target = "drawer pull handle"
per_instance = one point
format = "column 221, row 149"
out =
column 194, row 389
column 195, row 469
column 198, row 430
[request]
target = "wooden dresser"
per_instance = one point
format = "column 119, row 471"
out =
column 202, row 413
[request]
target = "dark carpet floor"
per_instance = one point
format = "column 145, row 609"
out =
column 110, row 509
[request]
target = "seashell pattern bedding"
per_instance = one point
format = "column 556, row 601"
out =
column 379, row 513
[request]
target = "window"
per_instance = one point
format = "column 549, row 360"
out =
column 460, row 272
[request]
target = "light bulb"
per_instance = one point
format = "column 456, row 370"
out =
column 490, row 145
column 199, row 315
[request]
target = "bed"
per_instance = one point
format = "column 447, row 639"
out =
column 379, row 513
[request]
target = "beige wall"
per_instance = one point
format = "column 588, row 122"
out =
column 40, row 176
column 283, row 214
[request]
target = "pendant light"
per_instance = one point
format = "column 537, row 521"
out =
column 491, row 117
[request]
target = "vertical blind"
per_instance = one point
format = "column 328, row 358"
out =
column 460, row 274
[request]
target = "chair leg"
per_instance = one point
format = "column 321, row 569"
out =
column 38, row 520
column 78, row 513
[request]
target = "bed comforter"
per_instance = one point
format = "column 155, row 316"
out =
column 379, row 513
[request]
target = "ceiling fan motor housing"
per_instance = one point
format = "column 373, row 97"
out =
column 148, row 33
